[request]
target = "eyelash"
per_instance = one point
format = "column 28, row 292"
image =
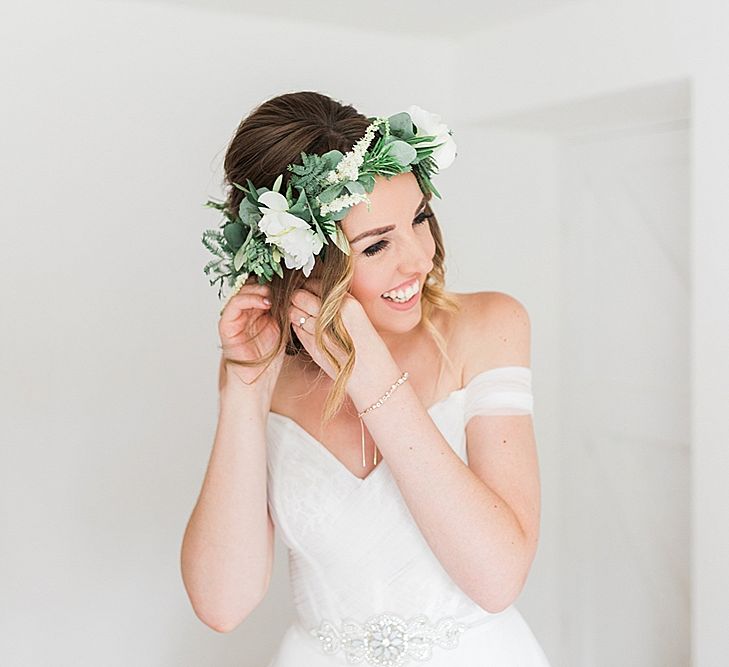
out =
column 381, row 245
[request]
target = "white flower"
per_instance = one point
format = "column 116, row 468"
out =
column 296, row 239
column 343, row 201
column 347, row 168
column 430, row 124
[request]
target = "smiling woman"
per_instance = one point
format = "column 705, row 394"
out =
column 418, row 556
column 312, row 124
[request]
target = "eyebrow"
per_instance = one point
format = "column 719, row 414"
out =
column 383, row 230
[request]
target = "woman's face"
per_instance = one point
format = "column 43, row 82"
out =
column 392, row 247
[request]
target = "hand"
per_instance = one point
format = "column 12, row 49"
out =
column 306, row 302
column 244, row 316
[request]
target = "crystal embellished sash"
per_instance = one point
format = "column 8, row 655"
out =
column 388, row 640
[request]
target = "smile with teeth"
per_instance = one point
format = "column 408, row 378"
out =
column 400, row 295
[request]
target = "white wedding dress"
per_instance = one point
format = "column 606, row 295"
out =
column 366, row 586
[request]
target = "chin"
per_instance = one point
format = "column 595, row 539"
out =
column 401, row 322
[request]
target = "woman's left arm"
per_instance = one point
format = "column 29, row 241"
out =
column 482, row 519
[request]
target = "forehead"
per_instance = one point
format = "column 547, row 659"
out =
column 390, row 200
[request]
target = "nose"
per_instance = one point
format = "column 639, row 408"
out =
column 416, row 258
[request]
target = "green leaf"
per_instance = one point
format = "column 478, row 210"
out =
column 249, row 213
column 401, row 125
column 328, row 195
column 212, row 264
column 253, row 194
column 215, row 242
column 240, row 258
column 318, row 230
column 340, row 240
column 331, row 159
column 422, row 139
column 355, row 187
column 234, row 235
column 340, row 214
column 403, row 152
column 368, row 181
column 301, row 208
column 277, row 183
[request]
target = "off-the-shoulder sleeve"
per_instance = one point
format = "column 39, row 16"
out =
column 506, row 390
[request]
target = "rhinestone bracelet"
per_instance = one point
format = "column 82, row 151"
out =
column 379, row 402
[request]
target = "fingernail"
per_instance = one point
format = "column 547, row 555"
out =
column 266, row 301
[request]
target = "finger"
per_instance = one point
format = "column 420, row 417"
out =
column 253, row 288
column 295, row 315
column 307, row 301
column 240, row 303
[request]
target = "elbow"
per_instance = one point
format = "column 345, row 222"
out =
column 226, row 614
column 496, row 601
column 224, row 623
column 495, row 605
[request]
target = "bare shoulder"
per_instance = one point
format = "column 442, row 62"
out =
column 495, row 330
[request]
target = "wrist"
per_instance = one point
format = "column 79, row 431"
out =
column 236, row 395
column 371, row 377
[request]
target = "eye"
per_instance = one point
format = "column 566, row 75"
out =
column 381, row 245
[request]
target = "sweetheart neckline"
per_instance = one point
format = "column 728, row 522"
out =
column 347, row 471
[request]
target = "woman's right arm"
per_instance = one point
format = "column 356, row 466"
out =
column 227, row 549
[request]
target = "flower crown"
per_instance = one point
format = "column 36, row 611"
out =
column 269, row 226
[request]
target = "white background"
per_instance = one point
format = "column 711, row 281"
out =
column 592, row 143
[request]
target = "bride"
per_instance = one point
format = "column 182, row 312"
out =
column 380, row 423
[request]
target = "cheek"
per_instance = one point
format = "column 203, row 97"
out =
column 431, row 246
column 365, row 286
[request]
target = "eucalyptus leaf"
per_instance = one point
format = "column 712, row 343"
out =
column 328, row 195
column 234, row 234
column 403, row 152
column 355, row 187
column 331, row 158
column 368, row 181
column 248, row 212
column 401, row 125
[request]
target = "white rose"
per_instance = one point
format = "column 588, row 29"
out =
column 296, row 239
column 430, row 124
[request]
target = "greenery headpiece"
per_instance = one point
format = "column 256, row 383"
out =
column 269, row 226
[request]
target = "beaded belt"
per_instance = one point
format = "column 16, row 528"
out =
column 388, row 640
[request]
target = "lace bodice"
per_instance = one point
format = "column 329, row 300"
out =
column 354, row 548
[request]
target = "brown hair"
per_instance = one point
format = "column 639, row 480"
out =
column 274, row 135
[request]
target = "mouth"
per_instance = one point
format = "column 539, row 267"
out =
column 403, row 295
